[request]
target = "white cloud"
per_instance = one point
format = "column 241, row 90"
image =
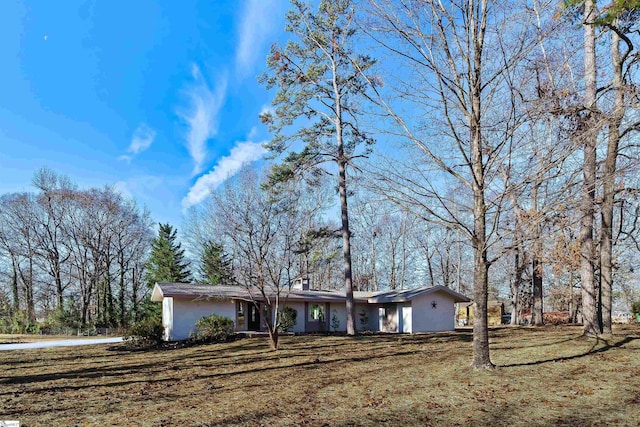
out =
column 123, row 188
column 258, row 22
column 202, row 115
column 253, row 133
column 140, row 141
column 139, row 185
column 243, row 152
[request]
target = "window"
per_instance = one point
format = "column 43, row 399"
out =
column 316, row 313
column 240, row 313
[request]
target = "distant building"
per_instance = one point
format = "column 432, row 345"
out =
column 464, row 315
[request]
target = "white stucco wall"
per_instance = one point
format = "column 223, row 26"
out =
column 372, row 317
column 340, row 310
column 425, row 318
column 187, row 312
column 300, row 317
column 167, row 318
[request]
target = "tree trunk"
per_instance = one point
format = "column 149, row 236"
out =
column 403, row 252
column 346, row 245
column 57, row 278
column 429, row 262
column 110, row 305
column 15, row 290
column 608, row 196
column 121, row 298
column 459, row 266
column 517, row 283
column 392, row 277
column 274, row 338
column 519, row 257
column 588, row 133
column 573, row 312
column 272, row 327
column 134, row 296
column 537, row 310
column 481, row 358
column 537, row 318
column 374, row 275
column 28, row 291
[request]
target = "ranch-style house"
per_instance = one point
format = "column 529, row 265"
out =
column 425, row 309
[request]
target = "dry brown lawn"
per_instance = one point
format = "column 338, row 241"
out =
column 546, row 376
column 25, row 338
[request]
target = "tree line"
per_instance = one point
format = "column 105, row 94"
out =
column 73, row 257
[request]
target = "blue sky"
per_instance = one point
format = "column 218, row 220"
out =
column 158, row 98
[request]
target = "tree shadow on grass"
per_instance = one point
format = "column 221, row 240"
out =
column 593, row 350
column 390, row 338
column 542, row 344
column 130, row 374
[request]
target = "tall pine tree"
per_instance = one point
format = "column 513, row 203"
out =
column 319, row 81
column 215, row 265
column 167, row 263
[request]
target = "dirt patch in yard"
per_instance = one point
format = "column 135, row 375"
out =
column 545, row 376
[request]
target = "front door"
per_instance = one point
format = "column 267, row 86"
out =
column 254, row 318
column 406, row 319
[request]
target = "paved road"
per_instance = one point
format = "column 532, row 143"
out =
column 59, row 343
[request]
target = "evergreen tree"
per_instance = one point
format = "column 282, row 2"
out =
column 320, row 79
column 166, row 262
column 215, row 265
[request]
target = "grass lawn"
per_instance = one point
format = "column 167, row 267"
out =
column 546, row 376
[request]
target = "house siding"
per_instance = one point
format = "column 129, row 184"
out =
column 425, row 318
column 371, row 314
column 187, row 312
column 167, row 318
column 300, row 316
column 340, row 312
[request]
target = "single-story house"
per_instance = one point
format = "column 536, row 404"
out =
column 426, row 309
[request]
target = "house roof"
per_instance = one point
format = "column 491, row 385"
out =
column 195, row 291
column 405, row 295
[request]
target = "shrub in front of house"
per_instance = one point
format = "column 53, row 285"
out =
column 364, row 318
column 335, row 321
column 147, row 331
column 288, row 319
column 214, row 328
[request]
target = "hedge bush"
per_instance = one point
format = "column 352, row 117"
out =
column 288, row 319
column 214, row 328
column 148, row 331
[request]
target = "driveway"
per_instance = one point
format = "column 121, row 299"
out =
column 60, row 343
